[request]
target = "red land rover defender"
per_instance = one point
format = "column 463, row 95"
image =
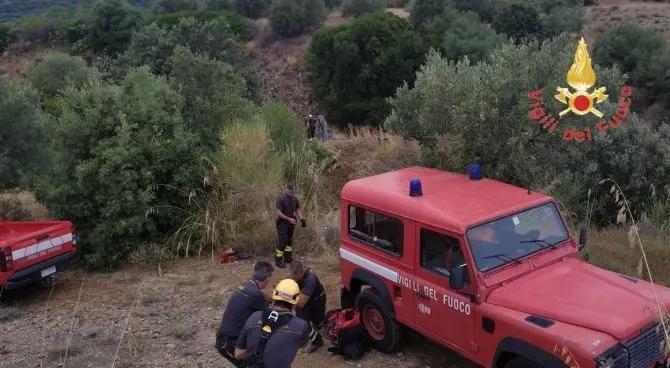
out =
column 490, row 271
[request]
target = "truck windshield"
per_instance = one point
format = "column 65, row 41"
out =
column 510, row 238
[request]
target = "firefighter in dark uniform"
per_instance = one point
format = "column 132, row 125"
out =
column 271, row 338
column 312, row 303
column 288, row 214
column 250, row 297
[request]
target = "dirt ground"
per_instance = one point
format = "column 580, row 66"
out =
column 610, row 13
column 171, row 316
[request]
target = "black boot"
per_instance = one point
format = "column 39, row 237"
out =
column 279, row 262
column 288, row 257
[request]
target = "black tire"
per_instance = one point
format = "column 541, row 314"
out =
column 373, row 310
column 519, row 362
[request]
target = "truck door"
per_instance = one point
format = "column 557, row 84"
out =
column 443, row 313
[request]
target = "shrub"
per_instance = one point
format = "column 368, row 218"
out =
column 11, row 209
column 111, row 146
column 563, row 19
column 290, row 18
column 173, row 6
column 252, row 9
column 153, row 46
column 57, row 71
column 20, row 123
column 484, row 8
column 114, row 23
column 424, row 11
column 355, row 67
column 238, row 24
column 218, row 5
column 6, row 36
column 517, row 21
column 357, row 8
column 442, row 115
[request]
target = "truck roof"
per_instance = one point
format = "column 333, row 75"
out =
column 450, row 201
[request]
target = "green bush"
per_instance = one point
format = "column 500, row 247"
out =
column 238, row 24
column 252, row 9
column 290, row 18
column 517, row 21
column 218, row 5
column 564, row 19
column 109, row 150
column 484, row 8
column 425, row 11
column 113, row 26
column 58, row 71
column 21, row 124
column 153, row 46
column 354, row 67
column 173, row 6
column 284, row 126
column 357, row 8
column 459, row 111
column 6, row 36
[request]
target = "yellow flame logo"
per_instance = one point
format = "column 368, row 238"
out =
column 581, row 77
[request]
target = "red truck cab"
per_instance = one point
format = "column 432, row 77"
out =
column 490, row 271
column 33, row 250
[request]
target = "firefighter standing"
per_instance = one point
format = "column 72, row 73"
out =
column 274, row 335
column 312, row 303
column 248, row 298
column 288, row 214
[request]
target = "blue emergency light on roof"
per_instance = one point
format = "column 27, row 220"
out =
column 415, row 188
column 475, row 171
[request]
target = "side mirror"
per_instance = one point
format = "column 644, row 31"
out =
column 583, row 236
column 457, row 277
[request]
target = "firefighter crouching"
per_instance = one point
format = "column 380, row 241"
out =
column 311, row 305
column 271, row 338
column 250, row 297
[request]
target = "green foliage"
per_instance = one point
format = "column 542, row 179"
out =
column 290, row 18
column 355, row 67
column 173, row 6
column 458, row 34
column 153, row 46
column 630, row 46
column 425, row 11
column 58, row 71
column 517, row 21
column 238, row 24
column 20, row 123
column 114, row 23
column 284, row 126
column 357, row 8
column 655, row 76
column 213, row 93
column 459, row 111
column 6, row 36
column 110, row 146
column 252, row 9
column 484, row 8
column 218, row 5
column 564, row 19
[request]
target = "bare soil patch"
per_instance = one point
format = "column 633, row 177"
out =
column 611, row 13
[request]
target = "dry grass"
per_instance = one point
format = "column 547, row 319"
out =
column 610, row 13
column 17, row 60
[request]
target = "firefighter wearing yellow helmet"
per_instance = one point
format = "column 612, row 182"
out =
column 274, row 334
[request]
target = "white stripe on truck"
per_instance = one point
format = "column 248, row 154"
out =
column 369, row 265
column 41, row 246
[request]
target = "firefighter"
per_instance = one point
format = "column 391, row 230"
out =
column 288, row 214
column 312, row 303
column 272, row 337
column 248, row 298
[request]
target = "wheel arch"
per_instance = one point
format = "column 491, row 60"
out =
column 510, row 348
column 361, row 278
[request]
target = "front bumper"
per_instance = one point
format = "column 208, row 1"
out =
column 33, row 274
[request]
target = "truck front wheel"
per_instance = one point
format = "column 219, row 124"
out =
column 383, row 331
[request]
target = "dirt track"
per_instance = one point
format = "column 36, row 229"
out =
column 171, row 325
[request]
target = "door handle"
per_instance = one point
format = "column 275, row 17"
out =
column 421, row 295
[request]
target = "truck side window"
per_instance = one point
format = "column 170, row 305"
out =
column 440, row 252
column 377, row 230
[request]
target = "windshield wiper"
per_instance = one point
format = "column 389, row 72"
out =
column 540, row 242
column 503, row 256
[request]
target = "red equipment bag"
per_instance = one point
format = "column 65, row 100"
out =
column 345, row 332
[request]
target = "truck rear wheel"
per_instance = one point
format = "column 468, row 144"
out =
column 382, row 330
column 519, row 362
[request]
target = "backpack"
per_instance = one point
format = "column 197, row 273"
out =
column 271, row 322
column 345, row 332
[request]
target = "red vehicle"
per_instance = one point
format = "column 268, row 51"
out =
column 490, row 271
column 34, row 250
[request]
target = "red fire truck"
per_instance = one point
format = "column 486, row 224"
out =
column 34, row 250
column 490, row 271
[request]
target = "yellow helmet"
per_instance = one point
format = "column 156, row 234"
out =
column 286, row 290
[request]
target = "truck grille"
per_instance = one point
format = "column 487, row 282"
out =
column 638, row 352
